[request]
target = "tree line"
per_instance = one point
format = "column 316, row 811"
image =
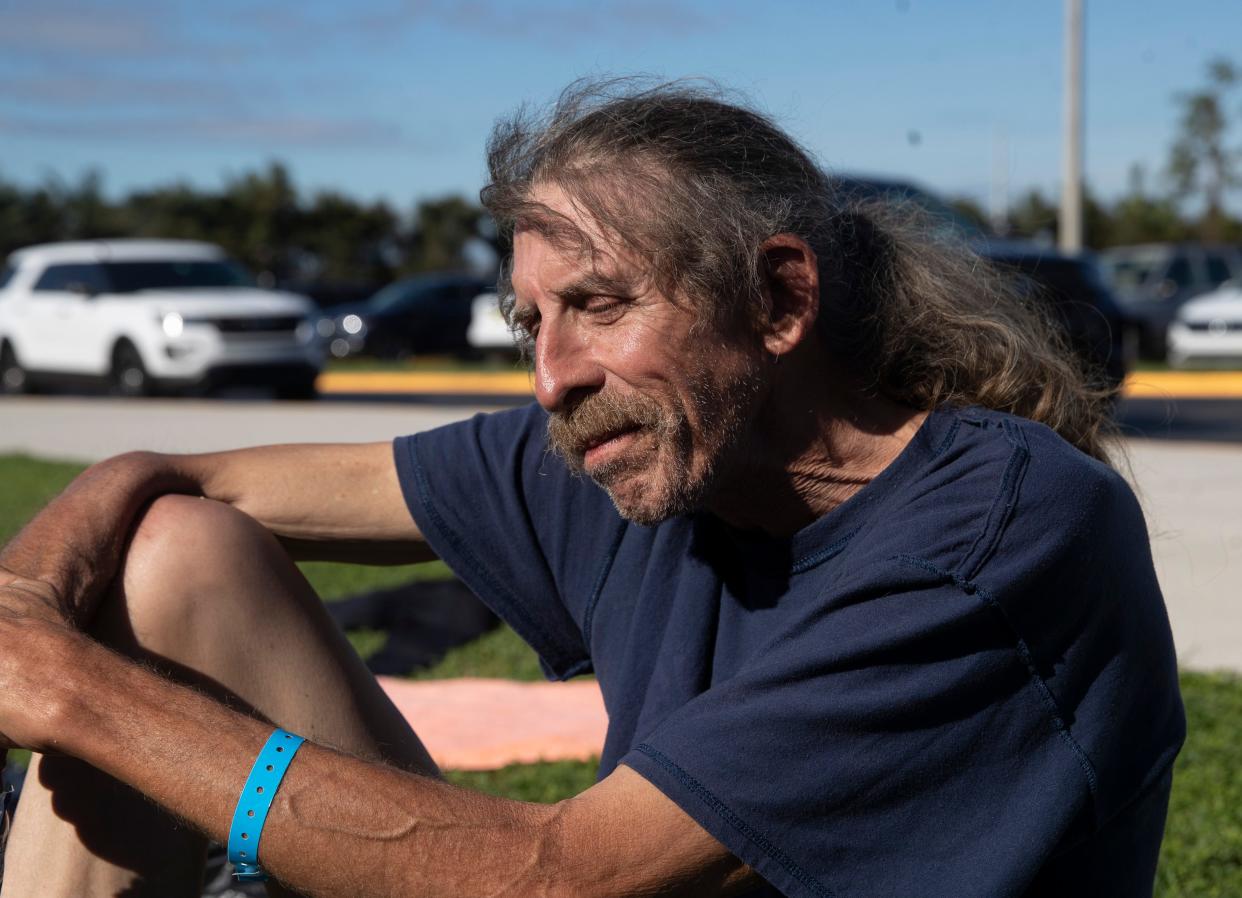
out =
column 1203, row 167
column 264, row 221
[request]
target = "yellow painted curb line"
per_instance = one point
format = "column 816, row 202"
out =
column 1139, row 385
column 500, row 383
column 1183, row 385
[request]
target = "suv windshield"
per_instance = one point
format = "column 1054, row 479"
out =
column 1130, row 270
column 130, row 277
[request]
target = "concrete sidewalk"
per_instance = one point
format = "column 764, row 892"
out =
column 1191, row 492
column 1192, row 497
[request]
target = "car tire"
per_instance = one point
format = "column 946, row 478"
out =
column 304, row 390
column 128, row 376
column 13, row 377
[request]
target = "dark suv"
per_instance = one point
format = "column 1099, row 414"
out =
column 1155, row 280
column 428, row 313
column 1080, row 299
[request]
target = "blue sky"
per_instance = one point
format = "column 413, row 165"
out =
column 394, row 99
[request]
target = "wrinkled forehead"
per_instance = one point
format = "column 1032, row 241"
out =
column 563, row 221
column 554, row 235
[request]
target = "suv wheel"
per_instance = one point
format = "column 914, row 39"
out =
column 13, row 378
column 297, row 390
column 129, row 376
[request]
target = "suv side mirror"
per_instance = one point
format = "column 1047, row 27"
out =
column 81, row 288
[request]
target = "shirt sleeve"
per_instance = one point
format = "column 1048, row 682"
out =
column 894, row 743
column 497, row 507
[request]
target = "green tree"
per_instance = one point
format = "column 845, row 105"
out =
column 262, row 208
column 440, row 232
column 1201, row 164
column 351, row 241
column 1033, row 216
column 972, row 211
column 1139, row 217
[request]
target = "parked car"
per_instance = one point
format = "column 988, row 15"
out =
column 1080, row 298
column 1153, row 281
column 1207, row 332
column 945, row 220
column 424, row 314
column 489, row 333
column 144, row 316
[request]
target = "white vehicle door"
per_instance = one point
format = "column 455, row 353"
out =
column 62, row 320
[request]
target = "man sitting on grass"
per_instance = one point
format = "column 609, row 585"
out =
column 825, row 507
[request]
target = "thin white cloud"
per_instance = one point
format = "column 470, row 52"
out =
column 91, row 91
column 84, row 29
column 288, row 131
column 540, row 22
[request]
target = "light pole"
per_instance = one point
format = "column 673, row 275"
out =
column 1069, row 234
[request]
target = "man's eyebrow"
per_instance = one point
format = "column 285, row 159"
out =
column 597, row 283
column 524, row 315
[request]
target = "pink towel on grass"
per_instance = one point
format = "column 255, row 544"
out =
column 478, row 724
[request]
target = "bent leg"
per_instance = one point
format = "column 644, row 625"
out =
column 209, row 597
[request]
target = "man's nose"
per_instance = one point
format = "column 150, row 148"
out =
column 565, row 365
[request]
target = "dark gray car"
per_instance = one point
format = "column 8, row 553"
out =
column 1154, row 280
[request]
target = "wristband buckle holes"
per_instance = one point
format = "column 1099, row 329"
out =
column 265, row 778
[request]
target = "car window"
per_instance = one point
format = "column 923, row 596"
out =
column 6, row 275
column 1217, row 270
column 66, row 277
column 173, row 274
column 1130, row 272
column 1179, row 272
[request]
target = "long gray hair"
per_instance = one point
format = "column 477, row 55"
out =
column 694, row 184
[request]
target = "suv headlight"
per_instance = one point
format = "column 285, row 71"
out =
column 173, row 324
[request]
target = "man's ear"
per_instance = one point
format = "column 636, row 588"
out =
column 791, row 288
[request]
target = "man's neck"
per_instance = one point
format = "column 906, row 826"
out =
column 812, row 446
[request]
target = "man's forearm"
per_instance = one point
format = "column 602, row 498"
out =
column 339, row 826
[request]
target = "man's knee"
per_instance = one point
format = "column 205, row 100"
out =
column 183, row 553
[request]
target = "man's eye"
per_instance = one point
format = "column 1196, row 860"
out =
column 604, row 305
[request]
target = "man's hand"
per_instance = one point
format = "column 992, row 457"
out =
column 24, row 597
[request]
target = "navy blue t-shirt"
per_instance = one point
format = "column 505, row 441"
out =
column 959, row 682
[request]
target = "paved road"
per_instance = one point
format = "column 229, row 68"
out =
column 1191, row 491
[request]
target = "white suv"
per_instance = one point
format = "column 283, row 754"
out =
column 149, row 315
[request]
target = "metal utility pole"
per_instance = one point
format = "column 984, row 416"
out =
column 999, row 200
column 1069, row 234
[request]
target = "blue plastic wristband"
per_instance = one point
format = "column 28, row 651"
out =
column 256, row 800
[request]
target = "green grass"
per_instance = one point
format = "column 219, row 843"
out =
column 547, row 783
column 501, row 654
column 26, row 485
column 1202, row 856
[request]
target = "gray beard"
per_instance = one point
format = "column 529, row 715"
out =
column 726, row 411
